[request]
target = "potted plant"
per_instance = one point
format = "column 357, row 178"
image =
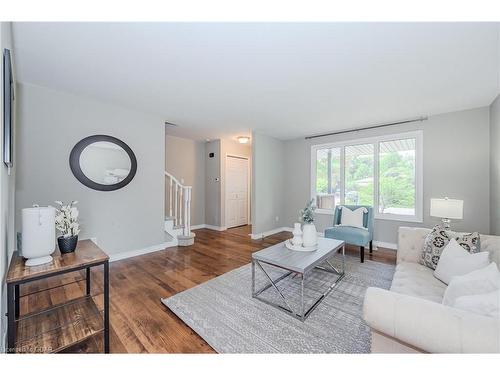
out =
column 309, row 234
column 67, row 225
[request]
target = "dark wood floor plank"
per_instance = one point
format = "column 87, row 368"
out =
column 139, row 322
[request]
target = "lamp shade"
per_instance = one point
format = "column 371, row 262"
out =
column 447, row 208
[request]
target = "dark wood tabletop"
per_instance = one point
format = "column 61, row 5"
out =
column 86, row 254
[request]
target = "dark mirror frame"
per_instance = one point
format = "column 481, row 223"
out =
column 74, row 162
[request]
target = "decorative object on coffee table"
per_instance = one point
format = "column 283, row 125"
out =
column 38, row 235
column 67, row 224
column 309, row 234
column 297, row 235
column 289, row 245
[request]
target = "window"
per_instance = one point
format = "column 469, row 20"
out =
column 383, row 172
column 328, row 178
column 359, row 174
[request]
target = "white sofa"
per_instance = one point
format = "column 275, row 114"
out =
column 410, row 317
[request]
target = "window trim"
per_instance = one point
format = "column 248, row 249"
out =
column 419, row 184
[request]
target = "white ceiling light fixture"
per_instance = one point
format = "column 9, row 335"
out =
column 243, row 139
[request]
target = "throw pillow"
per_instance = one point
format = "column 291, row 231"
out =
column 438, row 238
column 352, row 218
column 481, row 281
column 483, row 304
column 456, row 261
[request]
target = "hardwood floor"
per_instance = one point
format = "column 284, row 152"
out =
column 140, row 323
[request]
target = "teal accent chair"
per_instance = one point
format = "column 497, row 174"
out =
column 354, row 236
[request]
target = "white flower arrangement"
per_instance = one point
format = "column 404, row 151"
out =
column 67, row 219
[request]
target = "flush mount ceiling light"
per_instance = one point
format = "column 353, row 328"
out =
column 243, row 139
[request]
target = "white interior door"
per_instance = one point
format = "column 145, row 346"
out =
column 236, row 191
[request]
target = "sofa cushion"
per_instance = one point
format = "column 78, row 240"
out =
column 480, row 281
column 456, row 261
column 438, row 238
column 353, row 236
column 487, row 304
column 416, row 280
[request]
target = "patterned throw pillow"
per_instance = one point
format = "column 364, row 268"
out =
column 436, row 241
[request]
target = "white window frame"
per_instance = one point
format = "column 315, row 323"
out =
column 419, row 201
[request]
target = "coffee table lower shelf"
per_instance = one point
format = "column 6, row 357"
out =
column 59, row 327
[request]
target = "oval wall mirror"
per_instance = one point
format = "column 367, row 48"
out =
column 102, row 162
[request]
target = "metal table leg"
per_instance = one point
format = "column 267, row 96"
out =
column 253, row 278
column 106, row 307
column 17, row 303
column 302, row 309
column 87, row 281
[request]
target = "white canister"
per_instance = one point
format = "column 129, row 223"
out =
column 309, row 235
column 297, row 235
column 39, row 234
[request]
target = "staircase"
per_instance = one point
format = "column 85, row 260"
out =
column 178, row 211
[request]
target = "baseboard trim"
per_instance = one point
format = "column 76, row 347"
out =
column 146, row 250
column 259, row 236
column 386, row 245
column 199, row 226
column 208, row 226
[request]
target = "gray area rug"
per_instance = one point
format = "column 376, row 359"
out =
column 223, row 312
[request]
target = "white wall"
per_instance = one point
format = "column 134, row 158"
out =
column 185, row 160
column 495, row 166
column 7, row 187
column 50, row 123
column 456, row 159
column 268, row 183
column 213, row 191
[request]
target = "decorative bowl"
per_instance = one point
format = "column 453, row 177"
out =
column 290, row 246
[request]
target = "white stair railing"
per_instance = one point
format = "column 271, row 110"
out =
column 178, row 197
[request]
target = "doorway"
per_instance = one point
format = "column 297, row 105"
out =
column 237, row 191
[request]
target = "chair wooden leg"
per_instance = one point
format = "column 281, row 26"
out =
column 362, row 254
column 371, row 247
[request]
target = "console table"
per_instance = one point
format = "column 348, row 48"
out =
column 63, row 325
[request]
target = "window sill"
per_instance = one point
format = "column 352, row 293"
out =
column 408, row 219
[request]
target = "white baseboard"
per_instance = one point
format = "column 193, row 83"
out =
column 146, row 250
column 258, row 236
column 208, row 226
column 199, row 226
column 386, row 245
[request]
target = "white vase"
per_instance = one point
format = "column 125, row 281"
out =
column 309, row 235
column 38, row 235
column 297, row 235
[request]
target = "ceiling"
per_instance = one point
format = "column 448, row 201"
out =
column 287, row 80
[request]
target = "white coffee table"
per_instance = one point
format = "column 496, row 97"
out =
column 299, row 263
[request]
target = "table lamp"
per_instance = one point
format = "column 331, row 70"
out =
column 447, row 209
